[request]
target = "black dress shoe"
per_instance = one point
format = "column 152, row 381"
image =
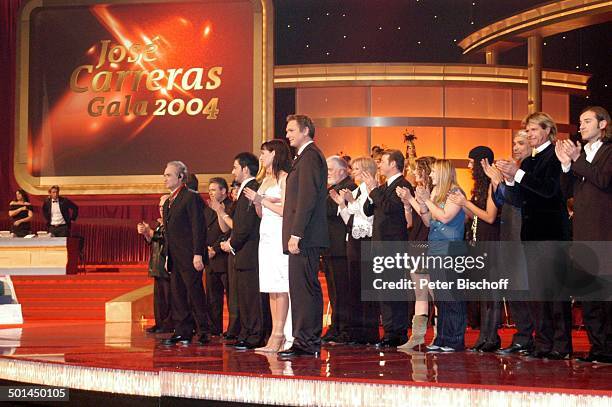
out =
column 229, row 337
column 539, row 354
column 329, row 338
column 476, row 348
column 177, row 339
column 243, row 345
column 489, row 347
column 555, row 355
column 152, row 330
column 515, row 348
column 295, row 351
column 390, row 343
column 204, row 339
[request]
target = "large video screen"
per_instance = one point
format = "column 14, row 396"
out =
column 122, row 88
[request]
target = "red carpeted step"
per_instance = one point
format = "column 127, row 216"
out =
column 74, row 297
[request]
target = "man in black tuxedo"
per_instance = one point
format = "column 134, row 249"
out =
column 185, row 257
column 244, row 245
column 335, row 264
column 389, row 225
column 587, row 176
column 59, row 212
column 216, row 270
column 305, row 233
column 544, row 218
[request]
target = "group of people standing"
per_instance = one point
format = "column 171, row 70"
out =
column 263, row 249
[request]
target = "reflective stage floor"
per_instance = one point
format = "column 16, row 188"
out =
column 122, row 358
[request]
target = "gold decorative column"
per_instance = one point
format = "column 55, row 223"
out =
column 491, row 57
column 534, row 74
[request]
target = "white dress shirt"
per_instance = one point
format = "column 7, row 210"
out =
column 56, row 215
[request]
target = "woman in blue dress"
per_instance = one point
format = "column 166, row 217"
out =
column 445, row 220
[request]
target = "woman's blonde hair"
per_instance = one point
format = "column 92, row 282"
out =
column 446, row 178
column 366, row 164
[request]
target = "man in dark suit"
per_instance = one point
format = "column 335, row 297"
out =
column 389, row 225
column 216, row 271
column 185, row 257
column 335, row 264
column 59, row 212
column 587, row 177
column 544, row 218
column 305, row 233
column 244, row 245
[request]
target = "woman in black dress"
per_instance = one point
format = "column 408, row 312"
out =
column 483, row 228
column 20, row 211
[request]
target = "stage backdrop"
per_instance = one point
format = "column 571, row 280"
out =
column 108, row 92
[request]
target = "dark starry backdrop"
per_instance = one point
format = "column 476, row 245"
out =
column 317, row 31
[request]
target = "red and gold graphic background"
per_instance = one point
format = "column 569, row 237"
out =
column 64, row 140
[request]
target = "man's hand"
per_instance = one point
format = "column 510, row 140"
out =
column 492, row 172
column 216, row 205
column 211, row 252
column 347, row 195
column 198, row 264
column 335, row 196
column 507, row 168
column 369, row 181
column 294, row 245
column 571, row 150
column 225, row 246
column 562, row 155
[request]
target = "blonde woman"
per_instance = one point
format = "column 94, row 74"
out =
column 363, row 319
column 445, row 220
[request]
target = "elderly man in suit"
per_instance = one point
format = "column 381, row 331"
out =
column 390, row 225
column 335, row 263
column 185, row 256
column 244, row 244
column 544, row 218
column 587, row 177
column 305, row 233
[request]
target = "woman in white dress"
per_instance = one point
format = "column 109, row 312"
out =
column 273, row 263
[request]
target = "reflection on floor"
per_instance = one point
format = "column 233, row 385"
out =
column 126, row 347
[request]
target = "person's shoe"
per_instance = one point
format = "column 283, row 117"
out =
column 295, row 351
column 432, row 348
column 204, row 339
column 417, row 336
column 243, row 345
column 176, row 339
column 390, row 343
column 489, row 347
column 446, row 349
column 555, row 355
column 229, row 337
column 515, row 348
column 539, row 354
column 152, row 330
column 476, row 348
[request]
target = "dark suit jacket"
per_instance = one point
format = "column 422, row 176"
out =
column 69, row 210
column 185, row 230
column 214, row 237
column 245, row 233
column 304, row 212
column 337, row 228
column 591, row 186
column 544, row 211
column 388, row 210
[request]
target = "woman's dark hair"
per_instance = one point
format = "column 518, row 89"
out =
column 282, row 155
column 480, row 191
column 24, row 195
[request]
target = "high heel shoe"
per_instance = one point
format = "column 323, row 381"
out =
column 275, row 344
column 419, row 328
